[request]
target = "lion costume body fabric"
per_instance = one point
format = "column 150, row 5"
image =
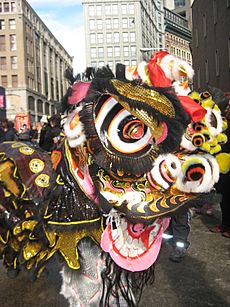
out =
column 133, row 155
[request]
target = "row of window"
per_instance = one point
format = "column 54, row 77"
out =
column 125, row 23
column 112, row 38
column 11, row 25
column 13, row 62
column 12, row 42
column 176, row 39
column 8, row 7
column 181, row 54
column 111, row 9
column 42, row 107
column 113, row 52
column 112, row 64
column 14, row 80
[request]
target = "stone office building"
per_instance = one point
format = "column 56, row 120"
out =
column 32, row 62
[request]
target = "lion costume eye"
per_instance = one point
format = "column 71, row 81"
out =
column 117, row 140
column 119, row 130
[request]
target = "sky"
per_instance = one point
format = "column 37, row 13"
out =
column 64, row 18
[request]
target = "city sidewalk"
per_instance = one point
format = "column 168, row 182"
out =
column 202, row 279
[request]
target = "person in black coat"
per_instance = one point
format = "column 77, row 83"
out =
column 49, row 132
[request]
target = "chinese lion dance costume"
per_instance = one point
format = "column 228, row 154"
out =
column 136, row 150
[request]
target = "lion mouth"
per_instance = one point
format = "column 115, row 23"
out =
column 134, row 247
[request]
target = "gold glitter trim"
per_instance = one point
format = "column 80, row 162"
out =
column 74, row 223
column 148, row 96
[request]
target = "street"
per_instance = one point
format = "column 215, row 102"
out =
column 202, row 279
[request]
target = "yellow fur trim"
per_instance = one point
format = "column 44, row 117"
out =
column 223, row 159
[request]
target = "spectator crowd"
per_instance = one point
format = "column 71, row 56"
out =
column 46, row 134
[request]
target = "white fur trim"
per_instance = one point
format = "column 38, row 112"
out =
column 210, row 177
column 77, row 141
column 214, row 131
column 167, row 62
column 156, row 174
column 141, row 71
column 176, row 69
column 187, row 144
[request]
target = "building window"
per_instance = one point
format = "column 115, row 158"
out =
column 12, row 24
column 2, row 43
column 94, row 64
column 110, row 63
column 4, row 81
column 125, row 36
column 109, row 52
column 3, row 63
column 99, row 24
column 108, row 10
column 108, row 37
column 198, row 78
column 14, row 80
column 13, row 44
column 91, row 10
column 101, row 64
column 116, row 51
column 229, row 52
column 101, row 52
column 93, row 52
column 204, row 25
column 6, row 7
column 124, row 9
column 116, row 37
column 108, row 24
column 179, row 3
column 217, row 62
column 98, row 10
column 132, row 37
column 214, row 12
column 0, row 7
column 124, row 23
column 40, row 106
column 133, row 51
column 92, row 24
column 13, row 7
column 126, row 51
column 133, row 62
column 92, row 38
column 31, row 103
column 115, row 9
column 131, row 9
column 2, row 24
column 206, row 71
column 14, row 62
column 197, row 37
column 126, row 62
column 47, row 108
column 100, row 38
column 131, row 22
column 116, row 23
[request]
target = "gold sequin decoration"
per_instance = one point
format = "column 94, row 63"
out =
column 148, row 96
column 29, row 225
column 30, row 250
column 156, row 128
column 42, row 180
column 36, row 165
column 25, row 150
